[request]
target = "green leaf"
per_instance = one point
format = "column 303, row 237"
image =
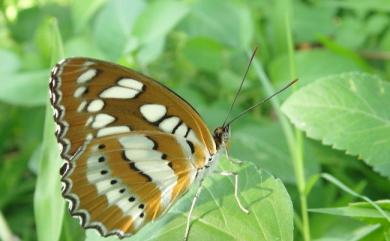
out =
column 71, row 229
column 377, row 23
column 311, row 21
column 9, row 61
column 312, row 64
column 348, row 111
column 362, row 211
column 82, row 12
column 153, row 26
column 43, row 38
column 265, row 145
column 27, row 21
column 209, row 19
column 26, row 89
column 350, row 33
column 81, row 46
column 158, row 19
column 113, row 26
column 362, row 5
column 350, row 231
column 204, row 54
column 48, row 202
column 218, row 217
column 150, row 51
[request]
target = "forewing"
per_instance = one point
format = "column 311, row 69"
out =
column 93, row 98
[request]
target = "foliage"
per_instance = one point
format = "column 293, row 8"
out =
column 309, row 162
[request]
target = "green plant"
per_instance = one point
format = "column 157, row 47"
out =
column 316, row 156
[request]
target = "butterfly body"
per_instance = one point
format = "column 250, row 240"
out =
column 131, row 146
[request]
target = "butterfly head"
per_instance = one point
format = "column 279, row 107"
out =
column 221, row 136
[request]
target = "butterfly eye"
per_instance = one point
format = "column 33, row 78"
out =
column 226, row 134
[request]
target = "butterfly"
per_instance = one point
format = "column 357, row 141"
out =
column 131, row 146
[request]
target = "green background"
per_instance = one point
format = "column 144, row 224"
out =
column 317, row 157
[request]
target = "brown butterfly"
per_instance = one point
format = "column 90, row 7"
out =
column 131, row 146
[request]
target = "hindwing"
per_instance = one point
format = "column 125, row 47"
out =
column 121, row 182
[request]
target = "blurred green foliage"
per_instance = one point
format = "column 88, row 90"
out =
column 199, row 48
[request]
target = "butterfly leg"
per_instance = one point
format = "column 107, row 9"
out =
column 197, row 194
column 235, row 175
column 233, row 160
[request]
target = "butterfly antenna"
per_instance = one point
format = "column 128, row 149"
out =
column 242, row 82
column 261, row 102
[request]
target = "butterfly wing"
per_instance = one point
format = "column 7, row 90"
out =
column 93, row 98
column 131, row 145
column 121, row 182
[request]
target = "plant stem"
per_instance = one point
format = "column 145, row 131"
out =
column 297, row 150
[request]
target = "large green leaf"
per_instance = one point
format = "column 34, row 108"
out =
column 158, row 19
column 26, row 88
column 82, row 12
column 312, row 64
column 217, row 216
column 114, row 24
column 320, row 21
column 48, row 203
column 223, row 21
column 9, row 61
column 204, row 54
column 153, row 25
column 348, row 111
column 266, row 147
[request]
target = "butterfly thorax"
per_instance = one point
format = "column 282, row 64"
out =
column 221, row 136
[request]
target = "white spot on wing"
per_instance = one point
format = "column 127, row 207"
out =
column 113, row 196
column 89, row 121
column 134, row 212
column 102, row 186
column 181, row 130
column 191, row 137
column 86, row 76
column 79, row 91
column 125, row 205
column 153, row 112
column 81, row 106
column 130, row 83
column 102, row 120
column 89, row 137
column 143, row 155
column 161, row 174
column 113, row 130
column 168, row 124
column 118, row 92
column 111, row 191
column 136, row 142
column 95, row 105
column 184, row 146
column 88, row 63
